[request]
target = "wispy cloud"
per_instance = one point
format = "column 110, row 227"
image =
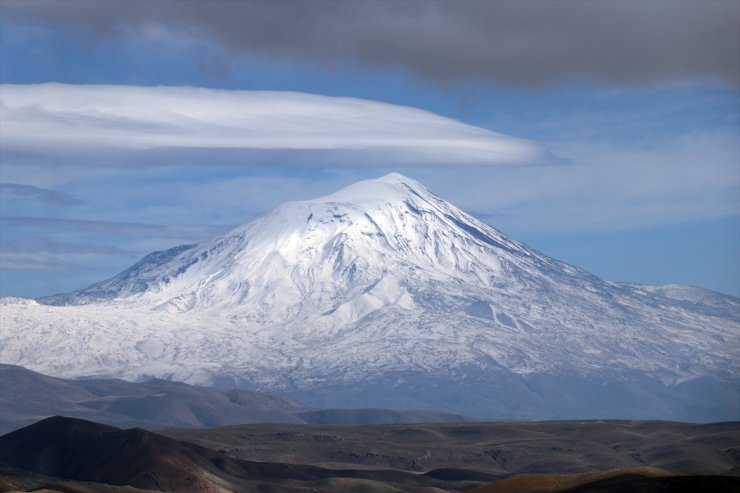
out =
column 530, row 43
column 169, row 124
column 184, row 231
column 33, row 261
column 15, row 191
column 52, row 246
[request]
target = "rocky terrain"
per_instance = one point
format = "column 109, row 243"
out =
column 72, row 455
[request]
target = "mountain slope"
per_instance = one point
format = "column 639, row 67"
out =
column 383, row 294
column 26, row 396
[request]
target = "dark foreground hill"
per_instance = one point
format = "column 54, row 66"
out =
column 27, row 396
column 76, row 456
column 83, row 451
column 630, row 480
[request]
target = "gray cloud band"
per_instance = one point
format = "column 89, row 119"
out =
column 31, row 261
column 15, row 191
column 36, row 245
column 530, row 43
column 183, row 231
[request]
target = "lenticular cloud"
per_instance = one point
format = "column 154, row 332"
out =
column 85, row 119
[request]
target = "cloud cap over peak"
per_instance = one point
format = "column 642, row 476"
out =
column 523, row 43
column 91, row 119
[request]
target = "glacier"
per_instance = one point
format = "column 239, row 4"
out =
column 384, row 295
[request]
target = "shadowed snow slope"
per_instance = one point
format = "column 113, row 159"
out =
column 383, row 294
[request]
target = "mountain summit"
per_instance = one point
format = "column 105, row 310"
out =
column 351, row 252
column 383, row 294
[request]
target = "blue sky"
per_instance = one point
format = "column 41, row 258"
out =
column 636, row 177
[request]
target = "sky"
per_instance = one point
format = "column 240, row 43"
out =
column 605, row 134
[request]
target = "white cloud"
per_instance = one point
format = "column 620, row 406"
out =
column 609, row 186
column 92, row 122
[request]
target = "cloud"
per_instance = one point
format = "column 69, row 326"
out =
column 33, row 261
column 17, row 191
column 530, row 43
column 164, row 125
column 611, row 186
column 38, row 245
column 182, row 231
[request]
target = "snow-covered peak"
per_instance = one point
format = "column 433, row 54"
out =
column 389, row 188
column 370, row 236
column 383, row 285
column 393, row 188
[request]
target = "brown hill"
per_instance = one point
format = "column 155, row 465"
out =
column 558, row 457
column 81, row 450
column 500, row 448
column 78, row 450
column 636, row 479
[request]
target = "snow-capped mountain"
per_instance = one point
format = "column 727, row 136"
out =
column 383, row 294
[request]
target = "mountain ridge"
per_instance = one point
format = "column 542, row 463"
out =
column 27, row 396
